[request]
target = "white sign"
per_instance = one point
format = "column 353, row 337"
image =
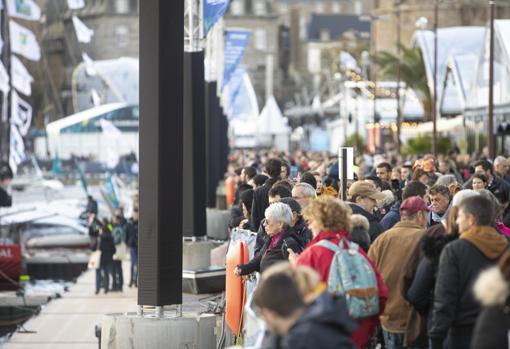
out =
column 348, row 152
column 83, row 33
column 24, row 42
column 25, row 9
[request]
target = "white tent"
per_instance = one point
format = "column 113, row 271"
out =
column 272, row 128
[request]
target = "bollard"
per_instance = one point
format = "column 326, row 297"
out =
column 97, row 329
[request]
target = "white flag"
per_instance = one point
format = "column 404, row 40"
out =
column 21, row 78
column 89, row 65
column 21, row 113
column 4, row 79
column 25, row 9
column 75, row 4
column 17, row 148
column 24, row 42
column 96, row 100
column 83, row 33
column 110, row 129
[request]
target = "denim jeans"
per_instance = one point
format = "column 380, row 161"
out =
column 394, row 340
column 133, row 251
column 103, row 276
column 118, row 277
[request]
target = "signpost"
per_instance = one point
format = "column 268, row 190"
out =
column 345, row 169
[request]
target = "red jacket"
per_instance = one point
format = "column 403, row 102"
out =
column 320, row 258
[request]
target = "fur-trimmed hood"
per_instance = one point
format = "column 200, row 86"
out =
column 433, row 245
column 491, row 288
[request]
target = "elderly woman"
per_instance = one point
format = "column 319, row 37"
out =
column 279, row 239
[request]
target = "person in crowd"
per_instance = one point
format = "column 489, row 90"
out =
column 309, row 178
column 246, row 199
column 499, row 211
column 406, row 172
column 413, row 188
column 107, row 248
column 363, row 197
column 323, row 323
column 446, row 180
column 91, row 205
column 94, row 226
column 318, row 180
column 421, row 176
column 329, row 188
column 479, row 181
column 359, row 231
column 261, row 195
column 376, row 182
column 247, row 175
column 279, row 191
column 259, row 180
column 440, row 199
column 330, row 220
column 385, row 204
column 132, row 244
column 478, row 247
column 303, row 193
column 236, row 212
column 492, row 290
column 496, row 185
column 389, row 252
column 298, row 225
column 280, row 238
column 501, row 166
column 383, row 171
column 454, row 188
column 285, row 172
column 6, row 176
column 119, row 236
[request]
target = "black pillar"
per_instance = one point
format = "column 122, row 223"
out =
column 194, row 147
column 213, row 113
column 161, row 143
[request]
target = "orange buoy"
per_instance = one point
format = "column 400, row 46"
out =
column 234, row 290
column 230, row 190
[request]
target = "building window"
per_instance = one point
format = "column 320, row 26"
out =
column 319, row 7
column 237, row 8
column 259, row 8
column 122, row 6
column 358, row 7
column 260, row 39
column 122, row 36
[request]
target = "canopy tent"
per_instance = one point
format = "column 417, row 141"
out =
column 452, row 41
column 101, row 82
column 272, row 127
column 458, row 81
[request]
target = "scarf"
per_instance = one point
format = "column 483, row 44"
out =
column 487, row 240
column 275, row 239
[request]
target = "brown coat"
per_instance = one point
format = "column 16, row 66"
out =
column 390, row 252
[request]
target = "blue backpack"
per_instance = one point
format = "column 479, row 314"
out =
column 352, row 276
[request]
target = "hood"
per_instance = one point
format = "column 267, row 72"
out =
column 486, row 239
column 491, row 288
column 433, row 245
column 328, row 310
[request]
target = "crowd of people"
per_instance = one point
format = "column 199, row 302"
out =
column 115, row 239
column 416, row 256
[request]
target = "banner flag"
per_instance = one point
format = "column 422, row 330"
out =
column 213, row 11
column 17, row 149
column 236, row 41
column 83, row 33
column 89, row 65
column 21, row 113
column 109, row 129
column 4, row 79
column 24, row 42
column 75, row 4
column 24, row 9
column 21, row 78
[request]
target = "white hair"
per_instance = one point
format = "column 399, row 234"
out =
column 463, row 194
column 279, row 213
column 500, row 159
column 446, row 180
column 308, row 190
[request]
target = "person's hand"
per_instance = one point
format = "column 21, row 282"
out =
column 292, row 256
column 237, row 271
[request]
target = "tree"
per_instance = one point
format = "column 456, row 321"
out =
column 412, row 73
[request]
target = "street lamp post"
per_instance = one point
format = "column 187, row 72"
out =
column 399, row 110
column 491, row 82
column 434, row 100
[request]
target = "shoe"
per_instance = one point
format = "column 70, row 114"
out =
column 105, row 291
column 131, row 284
column 97, row 291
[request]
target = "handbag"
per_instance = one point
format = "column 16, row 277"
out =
column 120, row 252
column 94, row 260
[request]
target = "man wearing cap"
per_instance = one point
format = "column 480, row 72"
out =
column 363, row 197
column 390, row 253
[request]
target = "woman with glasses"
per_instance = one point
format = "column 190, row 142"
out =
column 279, row 239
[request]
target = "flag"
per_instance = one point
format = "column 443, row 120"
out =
column 111, row 191
column 16, row 149
column 4, row 79
column 89, row 65
column 83, row 33
column 24, row 42
column 21, row 113
column 213, row 11
column 347, row 61
column 109, row 129
column 75, row 4
column 24, row 9
column 96, row 100
column 21, row 78
column 83, row 179
column 236, row 41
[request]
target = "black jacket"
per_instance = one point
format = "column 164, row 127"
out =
column 267, row 257
column 325, row 324
column 300, row 229
column 260, row 203
column 455, row 308
column 132, row 233
column 107, row 248
column 375, row 228
column 5, row 199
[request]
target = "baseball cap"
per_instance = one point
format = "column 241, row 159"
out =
column 365, row 189
column 293, row 204
column 413, row 205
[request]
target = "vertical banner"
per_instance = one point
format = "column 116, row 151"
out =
column 236, row 41
column 24, row 42
column 213, row 11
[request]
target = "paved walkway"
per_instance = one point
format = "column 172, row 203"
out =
column 69, row 322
